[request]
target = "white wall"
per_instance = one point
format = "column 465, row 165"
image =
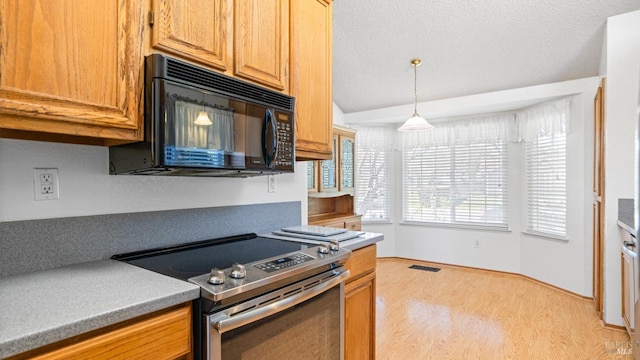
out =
column 563, row 264
column 86, row 188
column 338, row 115
column 621, row 100
column 568, row 264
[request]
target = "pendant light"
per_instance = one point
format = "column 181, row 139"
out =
column 203, row 117
column 415, row 122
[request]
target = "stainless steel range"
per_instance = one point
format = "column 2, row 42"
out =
column 260, row 297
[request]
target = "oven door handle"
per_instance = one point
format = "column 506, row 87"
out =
column 227, row 323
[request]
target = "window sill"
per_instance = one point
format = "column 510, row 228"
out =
column 376, row 222
column 558, row 238
column 458, row 226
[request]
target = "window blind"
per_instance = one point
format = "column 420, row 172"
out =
column 546, row 163
column 464, row 184
column 372, row 184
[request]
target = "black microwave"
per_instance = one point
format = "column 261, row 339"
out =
column 199, row 122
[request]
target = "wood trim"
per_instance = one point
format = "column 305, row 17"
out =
column 620, row 328
column 598, row 233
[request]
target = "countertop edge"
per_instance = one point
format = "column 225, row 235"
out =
column 23, row 341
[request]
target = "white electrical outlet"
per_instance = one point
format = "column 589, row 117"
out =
column 273, row 186
column 45, row 184
column 477, row 244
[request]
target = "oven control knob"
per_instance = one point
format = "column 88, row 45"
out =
column 238, row 271
column 324, row 248
column 216, row 277
column 334, row 245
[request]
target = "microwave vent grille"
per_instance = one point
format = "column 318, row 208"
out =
column 210, row 79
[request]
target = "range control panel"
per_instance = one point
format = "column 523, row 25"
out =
column 281, row 263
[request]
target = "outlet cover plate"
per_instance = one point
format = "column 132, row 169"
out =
column 45, row 184
column 272, row 183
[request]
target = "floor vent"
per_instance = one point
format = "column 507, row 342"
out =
column 425, row 268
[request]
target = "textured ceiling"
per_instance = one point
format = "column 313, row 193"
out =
column 467, row 47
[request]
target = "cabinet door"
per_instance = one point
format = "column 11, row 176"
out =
column 196, row 30
column 359, row 327
column 55, row 77
column 329, row 171
column 310, row 38
column 346, row 164
column 261, row 49
column 312, row 176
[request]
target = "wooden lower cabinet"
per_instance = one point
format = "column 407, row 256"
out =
column 360, row 305
column 351, row 222
column 163, row 336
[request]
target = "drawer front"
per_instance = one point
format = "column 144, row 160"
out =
column 335, row 224
column 362, row 262
column 166, row 336
column 354, row 225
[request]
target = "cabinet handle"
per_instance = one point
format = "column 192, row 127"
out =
column 628, row 252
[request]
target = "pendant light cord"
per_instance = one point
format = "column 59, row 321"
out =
column 415, row 91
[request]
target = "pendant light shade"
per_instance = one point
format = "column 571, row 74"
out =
column 415, row 122
column 203, row 119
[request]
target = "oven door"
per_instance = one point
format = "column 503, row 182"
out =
column 300, row 321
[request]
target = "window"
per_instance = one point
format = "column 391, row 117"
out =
column 373, row 152
column 546, row 162
column 464, row 184
column 372, row 190
column 544, row 129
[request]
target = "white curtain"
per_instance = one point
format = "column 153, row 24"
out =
column 488, row 128
column 376, row 137
column 550, row 118
column 527, row 124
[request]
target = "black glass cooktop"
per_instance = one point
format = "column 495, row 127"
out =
column 187, row 260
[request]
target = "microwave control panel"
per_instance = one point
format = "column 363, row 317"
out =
column 284, row 156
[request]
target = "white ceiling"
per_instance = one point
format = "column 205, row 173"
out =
column 467, row 47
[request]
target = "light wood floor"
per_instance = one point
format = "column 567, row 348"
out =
column 459, row 313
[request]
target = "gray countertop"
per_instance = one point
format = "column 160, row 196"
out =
column 43, row 307
column 46, row 306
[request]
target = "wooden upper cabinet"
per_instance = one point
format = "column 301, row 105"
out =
column 71, row 68
column 247, row 39
column 261, row 46
column 310, row 37
column 196, row 30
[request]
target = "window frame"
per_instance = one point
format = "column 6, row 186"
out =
column 454, row 185
column 537, row 227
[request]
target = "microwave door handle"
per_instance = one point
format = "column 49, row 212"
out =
column 270, row 133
